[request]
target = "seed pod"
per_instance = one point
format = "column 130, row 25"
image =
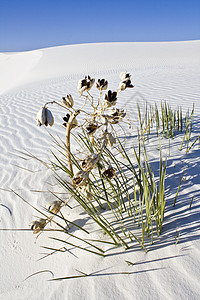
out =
column 125, row 84
column 41, row 116
column 92, row 127
column 85, row 84
column 90, row 162
column 54, row 207
column 44, row 117
column 125, row 76
column 109, row 172
column 115, row 115
column 66, row 119
column 102, row 84
column 49, row 118
column 80, row 178
column 110, row 99
column 68, row 101
column 38, row 225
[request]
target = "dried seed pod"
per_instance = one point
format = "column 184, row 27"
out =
column 125, row 81
column 109, row 172
column 54, row 207
column 85, row 84
column 110, row 99
column 44, row 117
column 102, row 84
column 38, row 225
column 125, row 84
column 67, row 118
column 68, row 101
column 92, row 127
column 125, row 76
column 90, row 162
column 115, row 115
column 80, row 178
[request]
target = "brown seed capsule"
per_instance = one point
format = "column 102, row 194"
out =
column 125, row 84
column 85, row 84
column 54, row 207
column 125, row 76
column 89, row 162
column 115, row 115
column 92, row 127
column 125, row 81
column 80, row 178
column 109, row 173
column 38, row 225
column 102, row 84
column 66, row 119
column 68, row 101
column 110, row 99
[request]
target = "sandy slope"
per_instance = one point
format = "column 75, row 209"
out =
column 160, row 71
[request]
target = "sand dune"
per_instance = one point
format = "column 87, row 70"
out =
column 160, row 71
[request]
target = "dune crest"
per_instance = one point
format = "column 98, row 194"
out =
column 14, row 68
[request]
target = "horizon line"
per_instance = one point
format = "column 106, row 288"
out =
column 88, row 43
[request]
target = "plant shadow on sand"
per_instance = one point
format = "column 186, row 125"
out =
column 182, row 220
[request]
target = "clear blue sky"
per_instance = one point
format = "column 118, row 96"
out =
column 33, row 24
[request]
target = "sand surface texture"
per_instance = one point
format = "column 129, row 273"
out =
column 160, row 71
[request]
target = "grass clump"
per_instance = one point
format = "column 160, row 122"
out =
column 166, row 121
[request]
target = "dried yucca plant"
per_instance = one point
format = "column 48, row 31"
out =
column 102, row 177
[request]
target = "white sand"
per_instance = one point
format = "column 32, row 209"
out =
column 160, row 71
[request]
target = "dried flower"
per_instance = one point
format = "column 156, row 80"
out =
column 125, row 81
column 89, row 162
column 66, row 119
column 110, row 99
column 85, row 84
column 80, row 178
column 102, row 84
column 54, row 207
column 109, row 172
column 115, row 115
column 44, row 116
column 125, row 76
column 92, row 127
column 38, row 225
column 125, row 84
column 68, row 101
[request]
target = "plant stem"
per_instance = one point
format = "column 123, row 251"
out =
column 68, row 131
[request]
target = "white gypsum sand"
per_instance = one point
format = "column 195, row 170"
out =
column 160, row 71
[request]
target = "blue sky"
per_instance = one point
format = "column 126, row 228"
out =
column 33, row 24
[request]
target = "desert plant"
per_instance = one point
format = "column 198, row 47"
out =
column 115, row 187
column 102, row 175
